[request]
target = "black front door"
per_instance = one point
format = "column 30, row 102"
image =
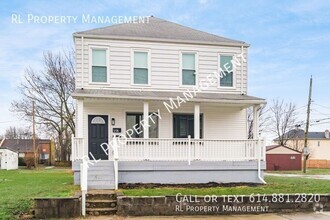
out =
column 97, row 135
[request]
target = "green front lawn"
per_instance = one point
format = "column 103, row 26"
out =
column 308, row 172
column 18, row 187
column 274, row 185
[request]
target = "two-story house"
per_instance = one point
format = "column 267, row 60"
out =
column 175, row 98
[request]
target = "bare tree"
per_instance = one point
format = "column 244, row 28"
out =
column 17, row 133
column 282, row 120
column 263, row 119
column 50, row 89
column 297, row 143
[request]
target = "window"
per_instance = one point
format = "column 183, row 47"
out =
column 183, row 125
column 140, row 71
column 226, row 71
column 318, row 143
column 99, row 66
column 133, row 119
column 188, row 69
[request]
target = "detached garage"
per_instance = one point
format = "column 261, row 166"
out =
column 8, row 159
column 282, row 158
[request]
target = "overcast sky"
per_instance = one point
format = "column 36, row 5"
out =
column 290, row 40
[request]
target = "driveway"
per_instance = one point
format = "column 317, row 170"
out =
column 317, row 177
column 278, row 216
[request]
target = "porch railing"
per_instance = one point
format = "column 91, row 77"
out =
column 78, row 148
column 159, row 149
column 180, row 149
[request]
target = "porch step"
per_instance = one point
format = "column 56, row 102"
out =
column 101, row 202
column 101, row 211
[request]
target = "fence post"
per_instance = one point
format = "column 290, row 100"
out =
column 189, row 149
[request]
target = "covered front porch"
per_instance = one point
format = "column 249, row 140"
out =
column 154, row 136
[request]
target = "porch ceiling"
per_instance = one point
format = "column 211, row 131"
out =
column 166, row 95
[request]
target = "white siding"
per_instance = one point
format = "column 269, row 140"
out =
column 165, row 66
column 220, row 122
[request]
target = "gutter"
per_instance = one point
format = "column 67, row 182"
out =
column 95, row 36
column 238, row 101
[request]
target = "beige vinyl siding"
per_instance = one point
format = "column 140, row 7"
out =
column 165, row 66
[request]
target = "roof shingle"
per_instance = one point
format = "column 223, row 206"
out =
column 159, row 29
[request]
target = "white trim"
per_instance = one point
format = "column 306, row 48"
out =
column 196, row 68
column 82, row 62
column 146, row 119
column 90, row 63
column 148, row 51
column 197, row 121
column 234, row 72
column 145, row 39
column 242, row 68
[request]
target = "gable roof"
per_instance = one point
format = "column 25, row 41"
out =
column 300, row 134
column 156, row 29
column 271, row 147
column 22, row 145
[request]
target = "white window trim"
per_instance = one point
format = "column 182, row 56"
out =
column 234, row 73
column 148, row 51
column 90, row 64
column 196, row 68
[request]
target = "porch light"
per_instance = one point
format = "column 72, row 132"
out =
column 113, row 121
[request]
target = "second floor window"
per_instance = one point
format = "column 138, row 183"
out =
column 99, row 66
column 140, row 71
column 227, row 71
column 188, row 69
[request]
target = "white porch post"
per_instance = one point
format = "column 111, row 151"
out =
column 196, row 121
column 80, row 128
column 256, row 121
column 80, row 119
column 146, row 120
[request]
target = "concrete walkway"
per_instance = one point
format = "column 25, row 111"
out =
column 278, row 216
column 317, row 177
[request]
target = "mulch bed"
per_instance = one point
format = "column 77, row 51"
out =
column 188, row 185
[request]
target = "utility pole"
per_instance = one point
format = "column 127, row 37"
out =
column 307, row 123
column 34, row 135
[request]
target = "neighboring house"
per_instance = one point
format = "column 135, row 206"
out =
column 126, row 73
column 24, row 147
column 280, row 157
column 318, row 146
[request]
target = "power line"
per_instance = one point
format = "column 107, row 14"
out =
column 8, row 121
column 322, row 106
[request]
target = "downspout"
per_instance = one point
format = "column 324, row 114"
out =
column 259, row 162
column 82, row 62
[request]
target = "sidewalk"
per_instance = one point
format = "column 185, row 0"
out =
column 275, row 216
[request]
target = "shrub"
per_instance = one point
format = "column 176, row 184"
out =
column 29, row 161
column 21, row 161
